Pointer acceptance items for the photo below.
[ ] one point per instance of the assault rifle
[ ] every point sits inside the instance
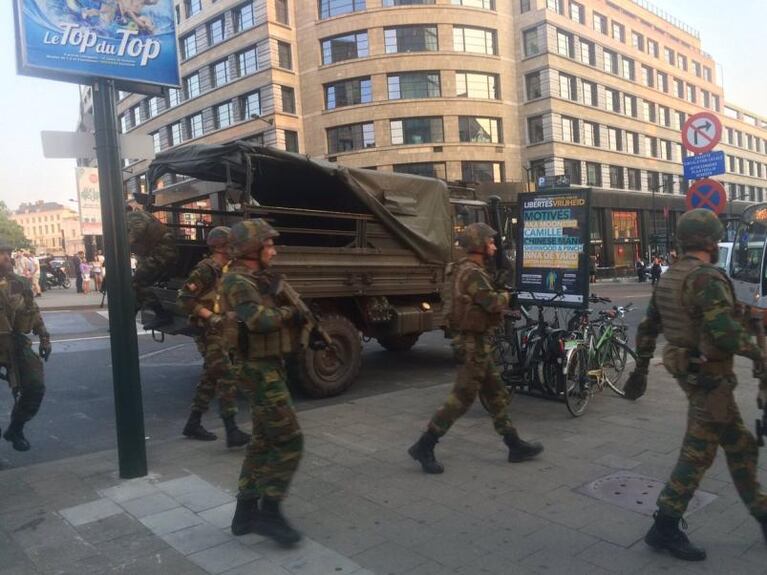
(757, 322)
(312, 336)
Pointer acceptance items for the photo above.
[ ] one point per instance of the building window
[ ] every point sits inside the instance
(348, 93)
(221, 73)
(533, 85)
(590, 95)
(288, 99)
(410, 39)
(250, 104)
(591, 134)
(614, 140)
(174, 97)
(482, 171)
(600, 23)
(588, 53)
(224, 114)
(244, 17)
(662, 82)
(474, 40)
(679, 88)
(416, 131)
(524, 6)
(611, 62)
(637, 41)
(285, 56)
(153, 107)
(573, 171)
(189, 46)
(192, 7)
(628, 69)
(123, 124)
(647, 76)
(347, 47)
(136, 115)
(707, 76)
(407, 85)
(681, 118)
(565, 44)
(195, 126)
(619, 32)
(668, 183)
(530, 41)
(630, 105)
(568, 87)
(652, 48)
(291, 141)
(570, 132)
(632, 143)
(577, 14)
(616, 177)
(682, 62)
(426, 169)
(556, 5)
(691, 93)
(697, 69)
(176, 134)
(330, 8)
(634, 179)
(535, 129)
(247, 62)
(216, 31)
(668, 55)
(612, 100)
(593, 174)
(281, 10)
(665, 116)
(192, 86)
(648, 111)
(476, 85)
(351, 137)
(480, 130)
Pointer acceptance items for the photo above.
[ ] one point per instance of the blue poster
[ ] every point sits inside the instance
(129, 40)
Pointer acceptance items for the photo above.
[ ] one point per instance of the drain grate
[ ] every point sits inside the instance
(636, 493)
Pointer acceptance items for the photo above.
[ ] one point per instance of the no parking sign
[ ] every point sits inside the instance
(708, 194)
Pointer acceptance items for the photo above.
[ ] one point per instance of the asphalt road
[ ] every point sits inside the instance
(77, 415)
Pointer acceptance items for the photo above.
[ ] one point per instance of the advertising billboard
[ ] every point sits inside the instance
(132, 41)
(552, 247)
(89, 200)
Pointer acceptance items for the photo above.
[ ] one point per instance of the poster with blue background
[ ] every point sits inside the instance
(79, 40)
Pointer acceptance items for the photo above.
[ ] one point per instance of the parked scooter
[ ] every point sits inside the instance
(55, 278)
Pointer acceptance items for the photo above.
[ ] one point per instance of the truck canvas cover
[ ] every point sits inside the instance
(414, 209)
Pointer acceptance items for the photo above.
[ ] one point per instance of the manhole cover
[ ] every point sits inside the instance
(636, 492)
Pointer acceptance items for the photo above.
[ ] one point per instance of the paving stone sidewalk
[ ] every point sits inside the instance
(365, 507)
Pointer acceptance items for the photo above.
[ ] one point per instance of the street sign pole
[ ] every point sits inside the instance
(129, 411)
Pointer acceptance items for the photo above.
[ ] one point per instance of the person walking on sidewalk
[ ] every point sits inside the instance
(20, 366)
(477, 309)
(694, 307)
(198, 299)
(77, 261)
(261, 327)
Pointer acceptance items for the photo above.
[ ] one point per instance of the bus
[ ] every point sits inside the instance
(747, 263)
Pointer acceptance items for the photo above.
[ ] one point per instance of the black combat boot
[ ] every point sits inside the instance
(272, 524)
(245, 516)
(665, 534)
(423, 452)
(519, 449)
(194, 429)
(15, 434)
(235, 437)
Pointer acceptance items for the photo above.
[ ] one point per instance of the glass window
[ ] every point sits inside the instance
(691, 93)
(174, 97)
(288, 99)
(611, 62)
(221, 73)
(524, 6)
(612, 100)
(346, 47)
(628, 69)
(216, 31)
(330, 8)
(662, 82)
(619, 32)
(577, 13)
(485, 4)
(482, 171)
(250, 104)
(195, 126)
(281, 8)
(291, 141)
(348, 93)
(573, 171)
(156, 142)
(530, 40)
(407, 85)
(192, 86)
(476, 85)
(616, 177)
(176, 134)
(153, 107)
(568, 87)
(600, 23)
(351, 137)
(652, 48)
(590, 95)
(682, 62)
(244, 17)
(707, 76)
(647, 76)
(570, 132)
(565, 46)
(533, 85)
(224, 114)
(697, 69)
(124, 124)
(416, 131)
(637, 41)
(285, 56)
(481, 130)
(591, 134)
(630, 105)
(535, 129)
(556, 5)
(247, 62)
(192, 7)
(410, 39)
(588, 53)
(189, 46)
(593, 174)
(136, 115)
(614, 140)
(474, 40)
(668, 55)
(426, 169)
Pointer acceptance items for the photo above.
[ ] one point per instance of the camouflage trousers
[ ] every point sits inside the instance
(29, 392)
(477, 374)
(217, 377)
(713, 419)
(275, 449)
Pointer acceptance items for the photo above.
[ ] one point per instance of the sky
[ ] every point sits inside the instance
(731, 32)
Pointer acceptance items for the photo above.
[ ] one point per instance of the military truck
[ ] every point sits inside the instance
(367, 250)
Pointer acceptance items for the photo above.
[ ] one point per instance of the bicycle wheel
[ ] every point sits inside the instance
(618, 356)
(578, 382)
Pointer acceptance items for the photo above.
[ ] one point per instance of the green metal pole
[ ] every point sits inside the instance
(129, 410)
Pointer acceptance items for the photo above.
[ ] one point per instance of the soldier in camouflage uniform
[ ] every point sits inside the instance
(198, 299)
(477, 309)
(264, 327)
(694, 307)
(19, 365)
(155, 248)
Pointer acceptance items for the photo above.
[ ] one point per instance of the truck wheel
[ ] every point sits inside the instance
(398, 342)
(329, 372)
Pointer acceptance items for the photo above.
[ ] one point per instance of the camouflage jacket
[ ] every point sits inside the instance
(477, 305)
(147, 234)
(19, 313)
(246, 294)
(706, 294)
(199, 290)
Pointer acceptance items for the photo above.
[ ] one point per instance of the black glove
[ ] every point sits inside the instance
(45, 347)
(637, 382)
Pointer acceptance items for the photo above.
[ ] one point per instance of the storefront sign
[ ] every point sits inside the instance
(89, 199)
(79, 40)
(551, 254)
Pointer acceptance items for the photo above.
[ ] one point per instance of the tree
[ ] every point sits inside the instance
(10, 230)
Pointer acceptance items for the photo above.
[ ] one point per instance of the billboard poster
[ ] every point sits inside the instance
(89, 200)
(132, 41)
(552, 247)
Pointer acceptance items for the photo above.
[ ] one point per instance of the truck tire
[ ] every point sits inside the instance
(327, 372)
(402, 342)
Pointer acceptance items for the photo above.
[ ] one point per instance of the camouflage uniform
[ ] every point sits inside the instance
(23, 368)
(155, 249)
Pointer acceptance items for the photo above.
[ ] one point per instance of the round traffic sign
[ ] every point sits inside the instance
(708, 194)
(701, 132)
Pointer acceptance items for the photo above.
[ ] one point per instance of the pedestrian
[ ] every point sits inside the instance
(198, 298)
(593, 269)
(655, 271)
(261, 330)
(77, 260)
(477, 309)
(85, 272)
(97, 271)
(693, 306)
(23, 368)
(35, 280)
